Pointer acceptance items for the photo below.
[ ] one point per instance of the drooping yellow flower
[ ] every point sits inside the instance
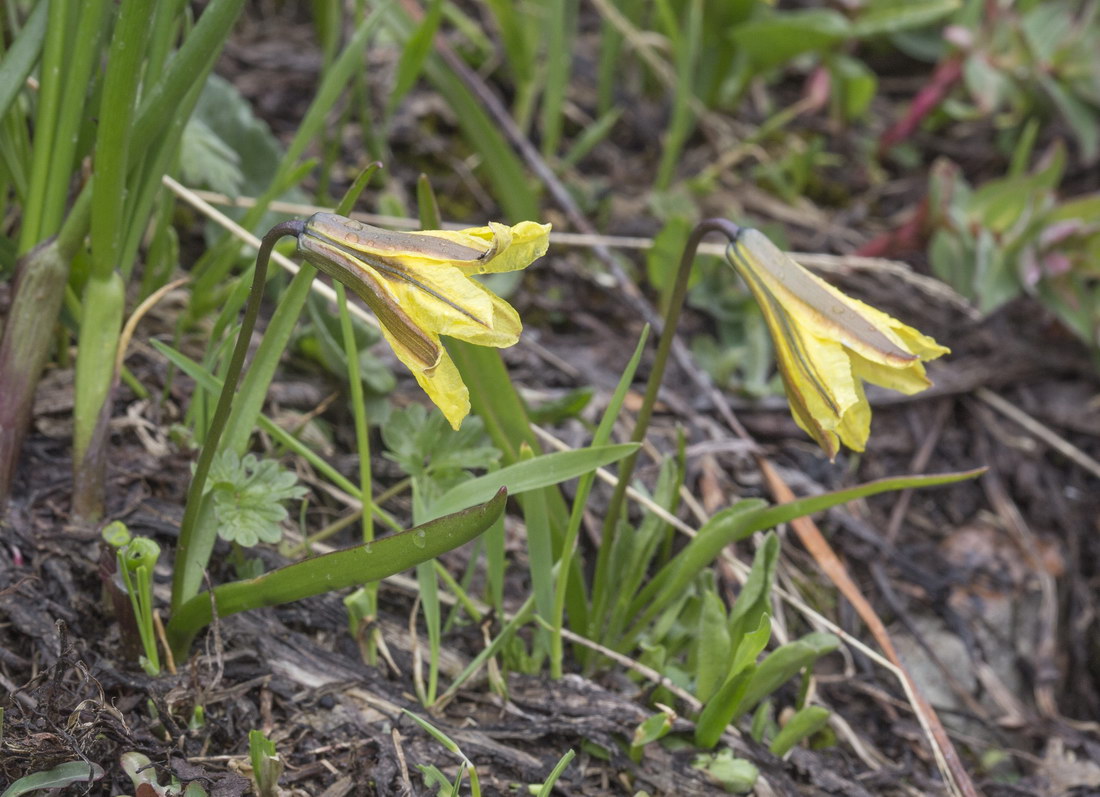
(827, 344)
(418, 286)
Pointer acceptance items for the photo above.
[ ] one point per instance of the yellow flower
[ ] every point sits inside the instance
(827, 344)
(418, 286)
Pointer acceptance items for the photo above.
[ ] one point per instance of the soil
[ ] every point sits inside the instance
(989, 587)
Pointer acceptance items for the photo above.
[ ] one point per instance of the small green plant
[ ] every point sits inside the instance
(248, 498)
(735, 775)
(128, 118)
(136, 561)
(433, 776)
(653, 728)
(267, 765)
(1015, 235)
(130, 585)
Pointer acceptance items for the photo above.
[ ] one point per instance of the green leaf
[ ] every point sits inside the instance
(894, 16)
(248, 495)
(755, 598)
(422, 443)
(547, 786)
(988, 85)
(21, 57)
(417, 48)
(855, 86)
(253, 387)
(652, 728)
(713, 647)
(782, 665)
(995, 281)
(542, 471)
(1045, 28)
(747, 517)
(226, 143)
(1083, 118)
(776, 39)
(751, 646)
(267, 766)
(736, 775)
(555, 411)
(351, 567)
(67, 774)
(663, 257)
(721, 708)
(805, 723)
(207, 161)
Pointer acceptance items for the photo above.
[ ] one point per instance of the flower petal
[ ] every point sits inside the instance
(363, 238)
(441, 382)
(908, 380)
(827, 344)
(418, 343)
(855, 424)
(818, 305)
(506, 248)
(418, 285)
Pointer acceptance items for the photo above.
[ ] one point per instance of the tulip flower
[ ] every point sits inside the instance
(828, 344)
(419, 286)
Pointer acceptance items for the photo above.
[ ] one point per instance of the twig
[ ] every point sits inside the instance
(1043, 432)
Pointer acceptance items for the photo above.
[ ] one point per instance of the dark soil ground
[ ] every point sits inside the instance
(989, 586)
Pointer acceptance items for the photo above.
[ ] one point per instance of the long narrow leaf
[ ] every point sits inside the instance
(337, 570)
(751, 516)
(542, 471)
(19, 60)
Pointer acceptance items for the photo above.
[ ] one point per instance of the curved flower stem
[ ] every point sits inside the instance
(192, 553)
(656, 375)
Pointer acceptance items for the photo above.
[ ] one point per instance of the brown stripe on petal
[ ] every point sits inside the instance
(787, 331)
(795, 279)
(393, 269)
(351, 271)
(365, 238)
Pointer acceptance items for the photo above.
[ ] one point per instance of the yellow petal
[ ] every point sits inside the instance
(907, 380)
(806, 421)
(817, 304)
(827, 344)
(506, 248)
(356, 236)
(816, 367)
(440, 296)
(417, 342)
(855, 424)
(419, 286)
(441, 382)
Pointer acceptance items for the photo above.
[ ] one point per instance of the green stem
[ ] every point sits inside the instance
(45, 124)
(188, 568)
(115, 134)
(39, 286)
(362, 445)
(93, 19)
(660, 361)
